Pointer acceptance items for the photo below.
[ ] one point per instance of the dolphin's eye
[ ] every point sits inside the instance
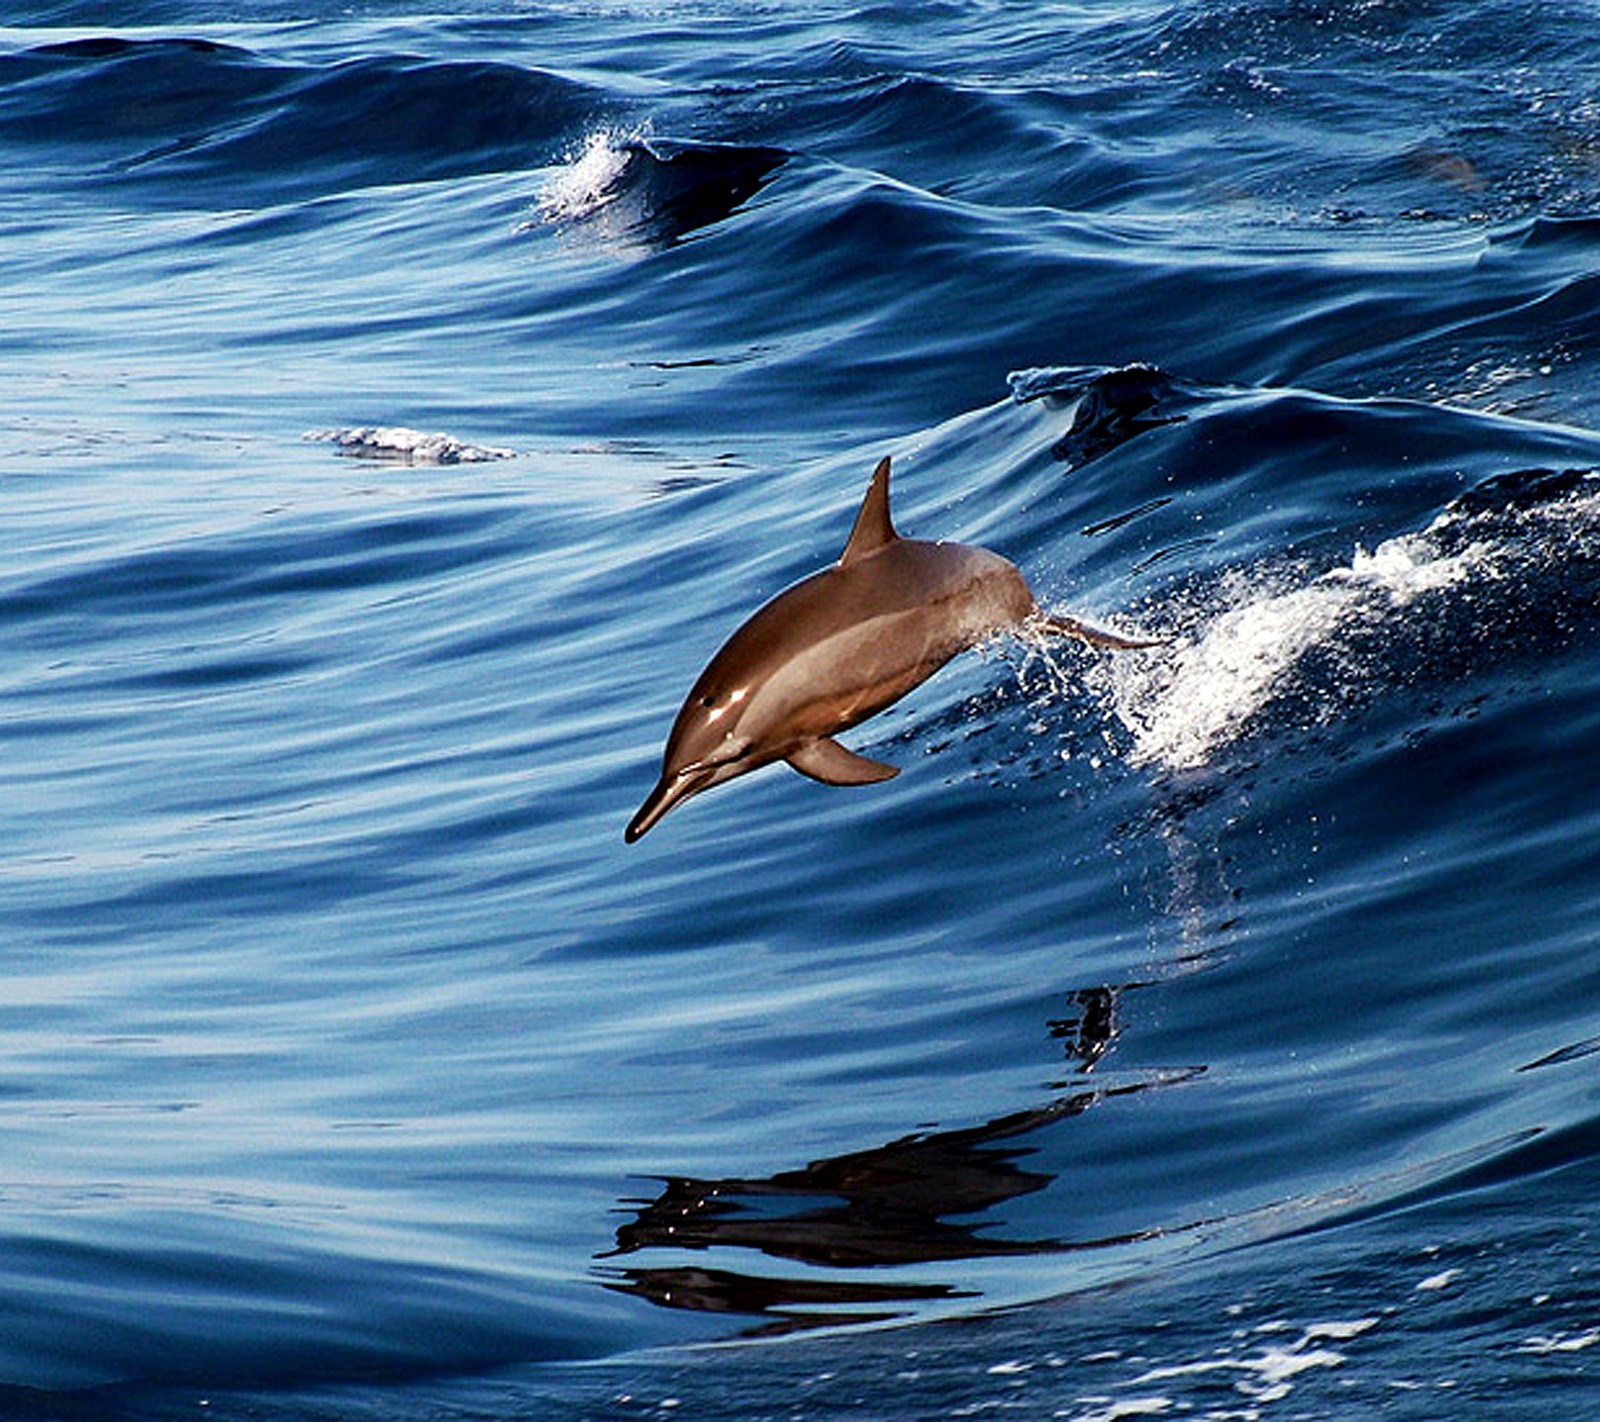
(719, 703)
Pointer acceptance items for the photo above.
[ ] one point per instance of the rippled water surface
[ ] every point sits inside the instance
(397, 410)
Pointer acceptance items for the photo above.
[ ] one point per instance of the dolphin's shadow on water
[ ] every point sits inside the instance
(919, 1199)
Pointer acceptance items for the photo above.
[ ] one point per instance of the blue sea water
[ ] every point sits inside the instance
(398, 406)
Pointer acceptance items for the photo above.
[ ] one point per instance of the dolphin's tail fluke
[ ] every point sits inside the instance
(1058, 625)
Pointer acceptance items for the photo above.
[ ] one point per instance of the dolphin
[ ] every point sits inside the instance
(838, 647)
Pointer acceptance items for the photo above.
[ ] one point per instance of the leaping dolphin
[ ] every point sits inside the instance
(838, 647)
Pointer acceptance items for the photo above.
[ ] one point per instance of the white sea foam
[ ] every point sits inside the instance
(400, 445)
(589, 181)
(1181, 708)
(1239, 652)
(1268, 1375)
(1561, 1342)
(1118, 1411)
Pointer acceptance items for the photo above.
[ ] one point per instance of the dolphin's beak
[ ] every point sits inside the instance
(670, 789)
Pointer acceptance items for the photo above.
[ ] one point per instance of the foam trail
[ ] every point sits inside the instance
(399, 445)
(1243, 650)
(1180, 712)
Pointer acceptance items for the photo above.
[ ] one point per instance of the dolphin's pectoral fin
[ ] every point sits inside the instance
(1056, 625)
(828, 761)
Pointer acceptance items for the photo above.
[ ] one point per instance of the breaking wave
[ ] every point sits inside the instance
(1480, 576)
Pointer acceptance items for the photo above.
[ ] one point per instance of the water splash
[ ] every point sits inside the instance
(591, 179)
(398, 445)
(1242, 649)
(636, 191)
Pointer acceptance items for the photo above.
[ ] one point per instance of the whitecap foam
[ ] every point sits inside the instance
(1109, 1410)
(1269, 1374)
(589, 180)
(400, 445)
(1180, 708)
(1240, 648)
(1546, 1343)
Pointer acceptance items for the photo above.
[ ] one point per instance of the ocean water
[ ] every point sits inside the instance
(400, 404)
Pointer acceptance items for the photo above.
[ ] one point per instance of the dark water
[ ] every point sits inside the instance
(1208, 1031)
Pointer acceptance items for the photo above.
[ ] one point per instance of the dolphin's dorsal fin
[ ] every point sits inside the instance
(874, 529)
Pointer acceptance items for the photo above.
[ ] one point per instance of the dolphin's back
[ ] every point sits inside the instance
(952, 592)
(844, 643)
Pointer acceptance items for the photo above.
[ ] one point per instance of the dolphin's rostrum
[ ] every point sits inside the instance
(838, 647)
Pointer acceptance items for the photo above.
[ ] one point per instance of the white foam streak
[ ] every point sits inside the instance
(1268, 1375)
(399, 445)
(1244, 647)
(589, 181)
(1561, 1342)
(1181, 711)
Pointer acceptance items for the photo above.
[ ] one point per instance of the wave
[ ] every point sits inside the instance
(627, 189)
(1288, 601)
(221, 115)
(320, 766)
(1276, 644)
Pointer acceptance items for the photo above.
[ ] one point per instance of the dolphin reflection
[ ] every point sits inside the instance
(919, 1199)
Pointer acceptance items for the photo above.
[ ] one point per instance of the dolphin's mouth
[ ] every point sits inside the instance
(669, 790)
